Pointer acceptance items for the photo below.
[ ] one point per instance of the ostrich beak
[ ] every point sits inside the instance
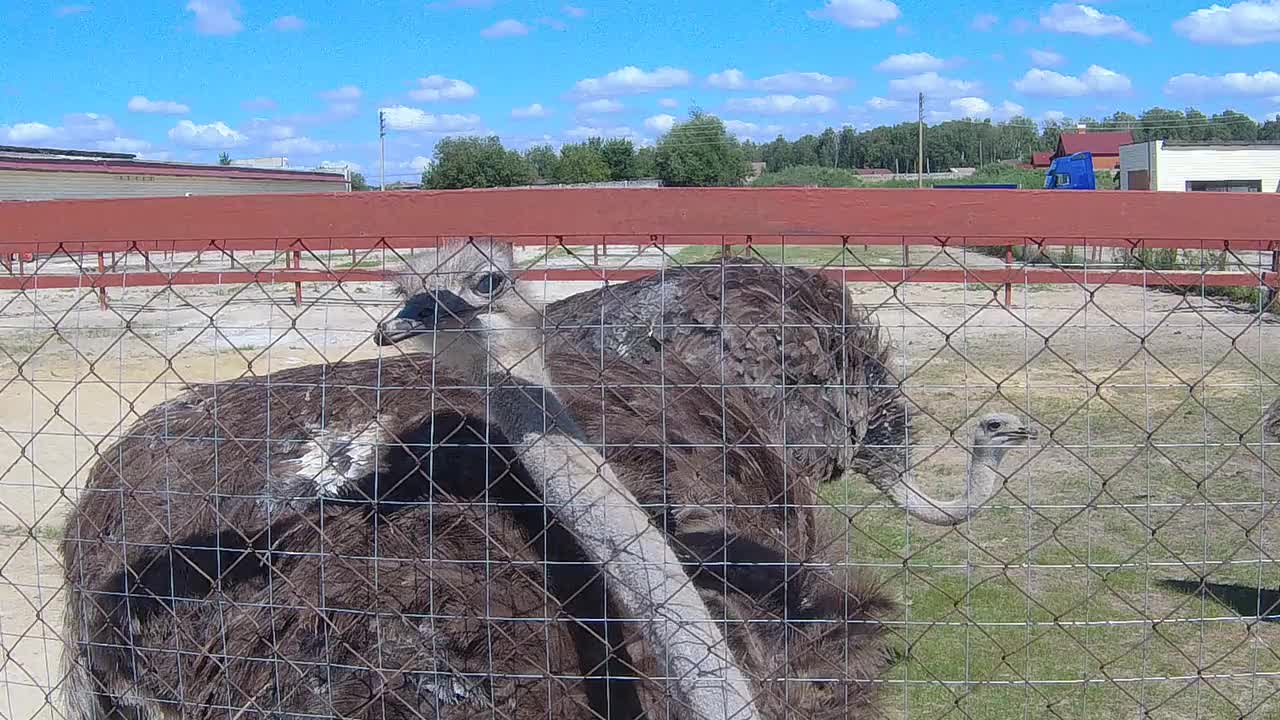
(1019, 433)
(422, 314)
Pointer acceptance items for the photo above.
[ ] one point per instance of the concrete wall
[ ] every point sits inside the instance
(38, 185)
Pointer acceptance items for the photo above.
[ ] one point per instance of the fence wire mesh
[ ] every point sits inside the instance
(256, 498)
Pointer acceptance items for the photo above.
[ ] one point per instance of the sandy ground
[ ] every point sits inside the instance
(73, 375)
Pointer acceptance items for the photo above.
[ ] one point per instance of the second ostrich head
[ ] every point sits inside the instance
(463, 304)
(993, 437)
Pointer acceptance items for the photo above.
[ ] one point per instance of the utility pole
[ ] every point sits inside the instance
(382, 151)
(920, 146)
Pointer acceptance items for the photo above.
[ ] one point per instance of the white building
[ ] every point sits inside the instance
(51, 174)
(1230, 166)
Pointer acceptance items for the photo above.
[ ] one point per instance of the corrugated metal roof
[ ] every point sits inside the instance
(126, 166)
(1098, 143)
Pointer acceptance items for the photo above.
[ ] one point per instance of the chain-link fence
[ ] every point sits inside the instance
(296, 475)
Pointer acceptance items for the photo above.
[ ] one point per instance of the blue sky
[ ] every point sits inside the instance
(187, 79)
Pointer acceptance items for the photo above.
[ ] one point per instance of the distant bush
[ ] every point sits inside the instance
(809, 176)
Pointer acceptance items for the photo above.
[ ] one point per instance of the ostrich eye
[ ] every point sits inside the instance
(488, 284)
(993, 425)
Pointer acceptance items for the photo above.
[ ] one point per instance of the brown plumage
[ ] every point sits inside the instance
(313, 578)
(816, 363)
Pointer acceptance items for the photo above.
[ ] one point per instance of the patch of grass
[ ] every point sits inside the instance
(1057, 611)
(798, 255)
(809, 176)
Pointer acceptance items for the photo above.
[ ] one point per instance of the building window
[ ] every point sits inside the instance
(1224, 185)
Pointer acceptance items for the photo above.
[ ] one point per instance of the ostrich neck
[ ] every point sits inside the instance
(646, 575)
(980, 481)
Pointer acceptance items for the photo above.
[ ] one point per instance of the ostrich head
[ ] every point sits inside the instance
(463, 305)
(994, 436)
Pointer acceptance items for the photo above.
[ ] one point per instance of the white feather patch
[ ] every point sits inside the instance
(335, 457)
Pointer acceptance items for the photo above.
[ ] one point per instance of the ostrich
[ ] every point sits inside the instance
(262, 545)
(1244, 600)
(823, 375)
(498, 345)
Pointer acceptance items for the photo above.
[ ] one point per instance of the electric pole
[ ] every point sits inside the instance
(920, 145)
(382, 151)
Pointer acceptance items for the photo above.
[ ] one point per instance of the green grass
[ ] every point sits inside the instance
(809, 176)
(1061, 597)
(801, 255)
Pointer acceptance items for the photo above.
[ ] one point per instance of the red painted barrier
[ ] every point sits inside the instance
(320, 223)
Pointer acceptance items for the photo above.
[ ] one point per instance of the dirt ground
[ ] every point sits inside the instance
(72, 376)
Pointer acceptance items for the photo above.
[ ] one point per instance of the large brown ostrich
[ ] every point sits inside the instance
(496, 343)
(266, 547)
(793, 338)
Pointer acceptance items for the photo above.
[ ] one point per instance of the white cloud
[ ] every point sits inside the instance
(141, 104)
(433, 88)
(76, 128)
(88, 126)
(983, 22)
(742, 129)
(400, 117)
(602, 105)
(505, 28)
(582, 132)
(881, 104)
(574, 11)
(1054, 115)
(301, 146)
(731, 79)
(1095, 81)
(1237, 84)
(288, 23)
(975, 108)
(1088, 20)
(783, 104)
(631, 80)
(660, 123)
(788, 82)
(216, 17)
(530, 111)
(65, 10)
(1045, 58)
(261, 128)
(910, 63)
(215, 135)
(668, 103)
(858, 14)
(27, 133)
(1244, 23)
(419, 163)
(932, 85)
(346, 93)
(124, 145)
(810, 82)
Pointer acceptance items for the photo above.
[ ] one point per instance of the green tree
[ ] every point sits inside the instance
(646, 163)
(620, 155)
(473, 162)
(1270, 131)
(581, 163)
(224, 159)
(358, 182)
(542, 159)
(700, 152)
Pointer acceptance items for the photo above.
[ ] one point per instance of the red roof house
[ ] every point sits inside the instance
(1105, 146)
(1041, 159)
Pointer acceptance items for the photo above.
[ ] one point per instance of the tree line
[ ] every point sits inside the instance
(701, 151)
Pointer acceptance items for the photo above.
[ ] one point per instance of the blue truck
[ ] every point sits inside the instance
(1071, 172)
